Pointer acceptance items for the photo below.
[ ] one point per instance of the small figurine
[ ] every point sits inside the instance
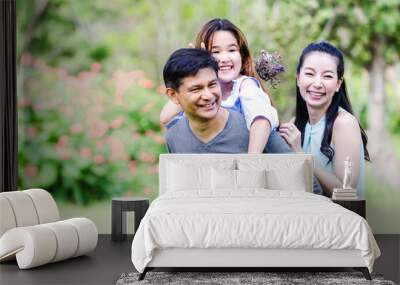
(347, 174)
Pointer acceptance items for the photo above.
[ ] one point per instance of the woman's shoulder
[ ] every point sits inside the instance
(345, 123)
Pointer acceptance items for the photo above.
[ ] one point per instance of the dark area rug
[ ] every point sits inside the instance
(273, 278)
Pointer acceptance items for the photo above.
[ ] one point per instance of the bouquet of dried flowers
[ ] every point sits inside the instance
(268, 66)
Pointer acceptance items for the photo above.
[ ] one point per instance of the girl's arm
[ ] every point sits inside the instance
(258, 135)
(347, 140)
(260, 116)
(169, 111)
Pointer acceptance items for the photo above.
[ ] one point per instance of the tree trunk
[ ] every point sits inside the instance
(377, 96)
(385, 165)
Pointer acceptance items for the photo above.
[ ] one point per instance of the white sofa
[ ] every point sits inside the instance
(31, 231)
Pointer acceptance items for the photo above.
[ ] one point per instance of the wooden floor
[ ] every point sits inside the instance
(111, 259)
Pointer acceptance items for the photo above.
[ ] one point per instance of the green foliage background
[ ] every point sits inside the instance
(90, 88)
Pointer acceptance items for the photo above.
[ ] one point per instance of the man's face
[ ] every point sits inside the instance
(199, 95)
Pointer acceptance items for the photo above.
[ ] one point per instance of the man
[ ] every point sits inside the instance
(190, 76)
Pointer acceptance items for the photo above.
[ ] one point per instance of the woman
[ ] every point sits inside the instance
(325, 125)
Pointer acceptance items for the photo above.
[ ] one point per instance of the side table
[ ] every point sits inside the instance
(119, 207)
(357, 206)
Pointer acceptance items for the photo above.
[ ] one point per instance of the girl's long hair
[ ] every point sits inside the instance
(340, 99)
(206, 36)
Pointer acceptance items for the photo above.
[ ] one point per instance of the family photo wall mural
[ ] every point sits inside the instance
(90, 89)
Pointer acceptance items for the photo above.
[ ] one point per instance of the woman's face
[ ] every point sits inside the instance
(225, 49)
(318, 79)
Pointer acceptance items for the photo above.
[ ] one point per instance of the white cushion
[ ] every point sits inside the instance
(67, 239)
(223, 179)
(46, 207)
(87, 233)
(183, 178)
(23, 208)
(186, 175)
(40, 244)
(282, 174)
(278, 180)
(33, 246)
(7, 220)
(231, 180)
(251, 178)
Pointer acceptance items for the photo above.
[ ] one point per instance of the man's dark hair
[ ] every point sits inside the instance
(186, 62)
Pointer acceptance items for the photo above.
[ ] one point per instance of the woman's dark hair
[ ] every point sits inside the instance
(340, 99)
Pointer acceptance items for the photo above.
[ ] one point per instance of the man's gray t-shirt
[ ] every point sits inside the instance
(234, 138)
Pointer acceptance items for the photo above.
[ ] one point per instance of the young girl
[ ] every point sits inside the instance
(325, 125)
(241, 91)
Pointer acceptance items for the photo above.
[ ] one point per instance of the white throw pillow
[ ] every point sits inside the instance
(282, 174)
(279, 180)
(251, 178)
(184, 174)
(226, 179)
(183, 177)
(223, 179)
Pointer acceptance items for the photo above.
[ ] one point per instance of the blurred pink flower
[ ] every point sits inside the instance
(46, 104)
(85, 75)
(117, 123)
(135, 135)
(76, 128)
(27, 59)
(150, 105)
(122, 81)
(31, 170)
(153, 169)
(117, 149)
(99, 159)
(40, 64)
(128, 193)
(24, 103)
(61, 72)
(61, 148)
(147, 191)
(95, 67)
(32, 131)
(85, 152)
(158, 138)
(63, 152)
(147, 157)
(132, 165)
(62, 141)
(67, 111)
(136, 74)
(146, 83)
(98, 129)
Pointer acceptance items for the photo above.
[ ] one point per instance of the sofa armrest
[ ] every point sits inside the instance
(40, 244)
